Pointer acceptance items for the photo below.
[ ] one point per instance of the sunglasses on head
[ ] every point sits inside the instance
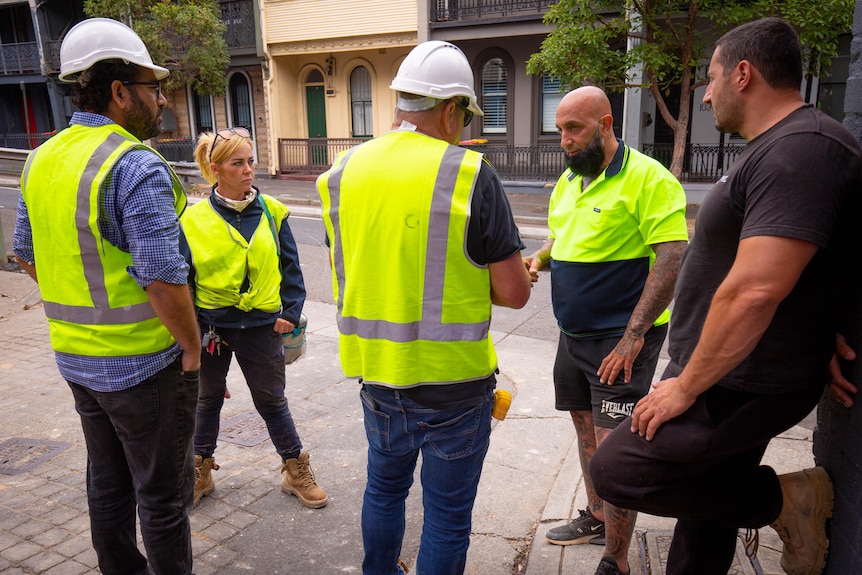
(227, 134)
(468, 115)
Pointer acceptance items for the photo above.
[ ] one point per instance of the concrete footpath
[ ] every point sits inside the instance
(532, 480)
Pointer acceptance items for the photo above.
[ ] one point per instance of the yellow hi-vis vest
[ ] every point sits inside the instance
(411, 307)
(222, 258)
(94, 307)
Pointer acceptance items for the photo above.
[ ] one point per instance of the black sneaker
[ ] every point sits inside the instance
(579, 530)
(607, 566)
(598, 540)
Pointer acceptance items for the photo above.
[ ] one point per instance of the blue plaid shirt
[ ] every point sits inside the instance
(136, 214)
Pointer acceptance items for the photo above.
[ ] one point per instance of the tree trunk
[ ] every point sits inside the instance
(680, 135)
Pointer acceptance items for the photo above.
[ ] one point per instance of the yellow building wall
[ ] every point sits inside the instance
(304, 20)
(289, 81)
(301, 35)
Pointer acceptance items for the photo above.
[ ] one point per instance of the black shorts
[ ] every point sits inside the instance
(577, 387)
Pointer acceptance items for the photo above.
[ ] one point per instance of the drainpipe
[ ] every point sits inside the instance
(267, 90)
(26, 112)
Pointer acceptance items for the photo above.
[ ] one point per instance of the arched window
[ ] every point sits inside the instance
(494, 96)
(551, 96)
(241, 113)
(360, 102)
(314, 77)
(202, 112)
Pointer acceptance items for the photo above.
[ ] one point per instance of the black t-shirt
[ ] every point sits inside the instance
(493, 236)
(800, 179)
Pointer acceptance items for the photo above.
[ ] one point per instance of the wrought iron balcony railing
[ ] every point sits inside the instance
(238, 16)
(52, 56)
(453, 10)
(22, 58)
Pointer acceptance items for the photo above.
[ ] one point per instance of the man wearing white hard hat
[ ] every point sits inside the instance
(422, 242)
(97, 226)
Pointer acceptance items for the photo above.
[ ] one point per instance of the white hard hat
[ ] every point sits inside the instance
(437, 69)
(97, 39)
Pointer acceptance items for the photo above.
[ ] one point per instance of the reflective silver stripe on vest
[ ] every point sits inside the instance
(101, 313)
(26, 171)
(431, 327)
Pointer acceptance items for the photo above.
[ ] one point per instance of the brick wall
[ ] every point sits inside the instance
(178, 104)
(838, 437)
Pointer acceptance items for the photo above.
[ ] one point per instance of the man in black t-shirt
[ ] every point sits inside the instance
(755, 320)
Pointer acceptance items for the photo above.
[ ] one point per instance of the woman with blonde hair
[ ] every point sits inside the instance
(249, 291)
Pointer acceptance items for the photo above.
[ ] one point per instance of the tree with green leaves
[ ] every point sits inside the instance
(661, 44)
(185, 36)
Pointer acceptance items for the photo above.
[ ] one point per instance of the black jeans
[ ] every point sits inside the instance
(260, 354)
(139, 455)
(703, 468)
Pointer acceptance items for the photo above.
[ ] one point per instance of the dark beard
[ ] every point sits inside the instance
(140, 122)
(589, 162)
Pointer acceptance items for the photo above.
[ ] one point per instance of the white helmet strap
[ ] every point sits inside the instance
(417, 104)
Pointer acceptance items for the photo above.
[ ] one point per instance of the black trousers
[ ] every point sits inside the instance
(703, 468)
(139, 457)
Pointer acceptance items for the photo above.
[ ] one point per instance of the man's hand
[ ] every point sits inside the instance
(538, 260)
(667, 400)
(840, 387)
(621, 358)
(533, 265)
(191, 360)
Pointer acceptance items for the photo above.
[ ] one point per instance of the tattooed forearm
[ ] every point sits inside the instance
(658, 290)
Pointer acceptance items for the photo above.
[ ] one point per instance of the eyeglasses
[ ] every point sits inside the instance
(154, 83)
(468, 115)
(227, 134)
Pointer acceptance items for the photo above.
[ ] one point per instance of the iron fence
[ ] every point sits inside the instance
(172, 150)
(524, 163)
(311, 155)
(23, 141)
(177, 150)
(514, 163)
(701, 163)
(315, 156)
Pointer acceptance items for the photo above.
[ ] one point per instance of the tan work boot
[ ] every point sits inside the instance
(204, 484)
(299, 480)
(808, 500)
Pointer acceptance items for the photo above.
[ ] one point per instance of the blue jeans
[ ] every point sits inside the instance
(453, 445)
(260, 354)
(139, 454)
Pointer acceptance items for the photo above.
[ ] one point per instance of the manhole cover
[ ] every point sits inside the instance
(246, 429)
(654, 545)
(19, 454)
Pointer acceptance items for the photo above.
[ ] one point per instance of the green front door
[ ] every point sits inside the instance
(316, 109)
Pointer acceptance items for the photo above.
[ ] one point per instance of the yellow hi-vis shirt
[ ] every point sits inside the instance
(603, 235)
(412, 308)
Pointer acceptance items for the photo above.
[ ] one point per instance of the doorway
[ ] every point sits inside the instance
(315, 104)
